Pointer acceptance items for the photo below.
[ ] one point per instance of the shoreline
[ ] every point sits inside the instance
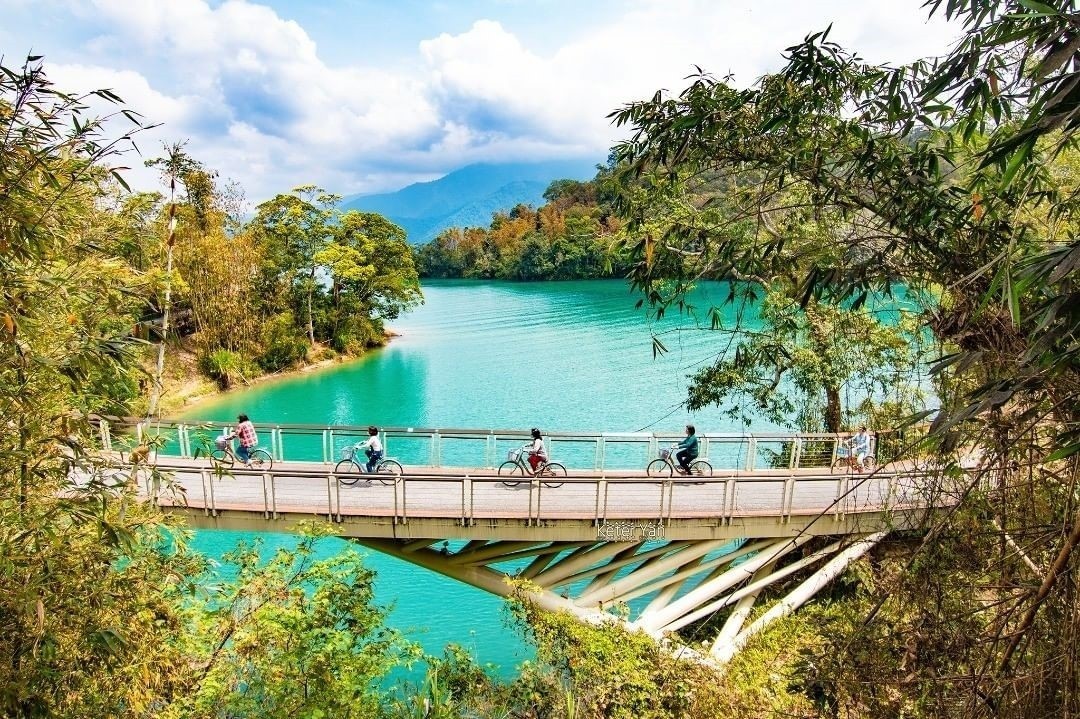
(204, 389)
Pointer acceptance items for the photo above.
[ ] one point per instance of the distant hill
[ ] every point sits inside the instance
(468, 197)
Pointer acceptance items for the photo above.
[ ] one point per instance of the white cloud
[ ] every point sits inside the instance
(248, 87)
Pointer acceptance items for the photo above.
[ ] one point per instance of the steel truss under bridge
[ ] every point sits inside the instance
(671, 584)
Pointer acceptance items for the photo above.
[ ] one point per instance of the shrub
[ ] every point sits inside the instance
(283, 345)
(226, 367)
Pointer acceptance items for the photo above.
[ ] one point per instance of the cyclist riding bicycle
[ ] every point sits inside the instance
(245, 431)
(860, 447)
(688, 450)
(537, 451)
(372, 448)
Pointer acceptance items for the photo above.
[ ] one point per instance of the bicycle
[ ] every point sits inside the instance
(349, 470)
(516, 464)
(846, 459)
(664, 466)
(222, 455)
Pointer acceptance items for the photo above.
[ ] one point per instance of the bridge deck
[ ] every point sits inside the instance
(473, 502)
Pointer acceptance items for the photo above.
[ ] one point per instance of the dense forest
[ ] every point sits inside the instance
(297, 282)
(298, 279)
(572, 236)
(827, 183)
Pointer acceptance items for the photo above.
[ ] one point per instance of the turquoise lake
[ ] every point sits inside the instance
(563, 356)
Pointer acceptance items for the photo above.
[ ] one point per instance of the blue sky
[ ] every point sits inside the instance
(370, 95)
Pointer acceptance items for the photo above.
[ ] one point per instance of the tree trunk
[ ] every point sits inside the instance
(832, 408)
(159, 367)
(310, 313)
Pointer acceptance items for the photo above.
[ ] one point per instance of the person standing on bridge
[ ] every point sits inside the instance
(537, 451)
(372, 448)
(688, 450)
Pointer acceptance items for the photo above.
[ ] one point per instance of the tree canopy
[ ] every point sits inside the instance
(951, 178)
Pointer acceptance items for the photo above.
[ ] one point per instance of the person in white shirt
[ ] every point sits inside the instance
(372, 448)
(537, 451)
(860, 447)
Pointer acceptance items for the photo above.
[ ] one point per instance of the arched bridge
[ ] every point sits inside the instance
(674, 550)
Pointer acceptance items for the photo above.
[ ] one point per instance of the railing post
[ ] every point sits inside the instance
(273, 492)
(841, 495)
(395, 520)
(266, 500)
(796, 444)
(203, 477)
(436, 449)
(466, 490)
(337, 499)
(601, 488)
(213, 502)
(327, 445)
(751, 453)
(330, 481)
(664, 521)
(598, 460)
(663, 490)
(280, 441)
(399, 482)
(534, 487)
(729, 500)
(785, 502)
(103, 434)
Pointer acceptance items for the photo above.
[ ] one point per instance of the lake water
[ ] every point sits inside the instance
(563, 356)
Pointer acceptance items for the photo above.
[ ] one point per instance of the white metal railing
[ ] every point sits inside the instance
(597, 498)
(425, 447)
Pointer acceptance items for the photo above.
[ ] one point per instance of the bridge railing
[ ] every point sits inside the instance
(470, 499)
(449, 447)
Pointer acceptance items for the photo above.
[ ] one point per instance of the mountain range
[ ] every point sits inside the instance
(467, 197)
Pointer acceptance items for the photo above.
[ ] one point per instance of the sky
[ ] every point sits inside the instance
(361, 96)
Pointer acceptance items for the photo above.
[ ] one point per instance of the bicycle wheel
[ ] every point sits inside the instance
(347, 472)
(838, 464)
(659, 468)
(261, 459)
(221, 458)
(869, 462)
(388, 470)
(552, 469)
(701, 468)
(509, 468)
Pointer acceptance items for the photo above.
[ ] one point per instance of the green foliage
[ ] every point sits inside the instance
(952, 178)
(615, 673)
(366, 258)
(293, 637)
(85, 614)
(570, 237)
(227, 368)
(805, 362)
(283, 344)
(103, 610)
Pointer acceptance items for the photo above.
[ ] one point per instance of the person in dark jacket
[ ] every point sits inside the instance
(688, 450)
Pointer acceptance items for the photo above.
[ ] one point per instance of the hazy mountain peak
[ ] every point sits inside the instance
(468, 196)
